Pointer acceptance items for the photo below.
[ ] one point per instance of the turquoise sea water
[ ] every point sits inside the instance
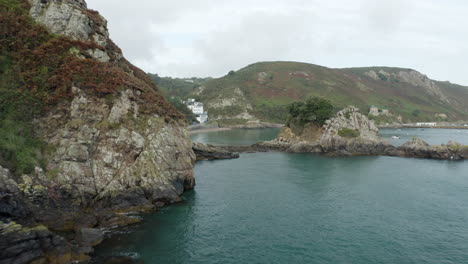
(302, 208)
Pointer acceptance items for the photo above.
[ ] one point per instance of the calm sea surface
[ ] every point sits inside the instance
(236, 137)
(433, 136)
(302, 208)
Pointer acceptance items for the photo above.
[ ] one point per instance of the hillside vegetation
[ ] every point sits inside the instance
(263, 91)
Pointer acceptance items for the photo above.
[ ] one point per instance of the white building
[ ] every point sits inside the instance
(202, 118)
(197, 109)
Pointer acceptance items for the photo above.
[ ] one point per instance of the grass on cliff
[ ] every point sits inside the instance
(20, 151)
(348, 133)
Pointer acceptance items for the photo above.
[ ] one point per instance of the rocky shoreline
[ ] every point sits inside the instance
(350, 133)
(415, 148)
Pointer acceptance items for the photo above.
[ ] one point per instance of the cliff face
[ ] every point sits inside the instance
(112, 143)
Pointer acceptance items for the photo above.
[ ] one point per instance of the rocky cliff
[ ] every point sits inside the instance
(110, 143)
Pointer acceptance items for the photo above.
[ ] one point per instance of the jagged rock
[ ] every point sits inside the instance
(210, 152)
(21, 245)
(90, 236)
(350, 118)
(421, 149)
(11, 206)
(72, 18)
(106, 147)
(7, 184)
(305, 147)
(417, 79)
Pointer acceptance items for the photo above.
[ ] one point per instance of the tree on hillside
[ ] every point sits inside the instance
(313, 110)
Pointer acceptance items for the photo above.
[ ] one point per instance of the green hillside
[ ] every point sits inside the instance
(262, 91)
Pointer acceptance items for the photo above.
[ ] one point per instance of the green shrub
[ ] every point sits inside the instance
(19, 149)
(314, 110)
(348, 133)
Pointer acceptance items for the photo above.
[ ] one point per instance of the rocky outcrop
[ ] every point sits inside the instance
(210, 152)
(11, 206)
(22, 245)
(417, 79)
(104, 147)
(347, 133)
(351, 133)
(72, 18)
(420, 149)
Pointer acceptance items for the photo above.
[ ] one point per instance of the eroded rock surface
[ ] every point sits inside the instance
(72, 19)
(209, 152)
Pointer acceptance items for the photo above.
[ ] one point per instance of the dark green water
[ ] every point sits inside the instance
(236, 136)
(300, 208)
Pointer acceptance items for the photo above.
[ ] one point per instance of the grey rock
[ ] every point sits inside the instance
(90, 236)
(72, 18)
(21, 245)
(210, 152)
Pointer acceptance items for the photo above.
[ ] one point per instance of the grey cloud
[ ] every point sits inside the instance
(208, 38)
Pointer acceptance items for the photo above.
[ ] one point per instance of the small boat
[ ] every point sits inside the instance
(395, 137)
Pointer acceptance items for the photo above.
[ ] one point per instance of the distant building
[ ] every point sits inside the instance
(426, 124)
(374, 111)
(197, 109)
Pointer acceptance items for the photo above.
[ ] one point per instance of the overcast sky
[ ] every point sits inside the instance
(186, 38)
